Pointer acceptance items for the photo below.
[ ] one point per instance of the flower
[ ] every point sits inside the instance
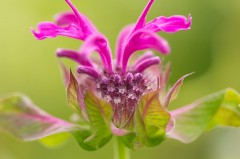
(113, 97)
(113, 80)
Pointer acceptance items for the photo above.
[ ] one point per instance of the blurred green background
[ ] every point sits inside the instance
(211, 49)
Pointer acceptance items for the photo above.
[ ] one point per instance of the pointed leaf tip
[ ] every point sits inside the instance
(173, 92)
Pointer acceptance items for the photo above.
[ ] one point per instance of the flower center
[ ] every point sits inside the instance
(123, 93)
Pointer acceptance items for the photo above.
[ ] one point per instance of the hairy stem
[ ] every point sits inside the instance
(120, 150)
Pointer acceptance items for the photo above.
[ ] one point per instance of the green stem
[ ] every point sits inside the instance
(120, 150)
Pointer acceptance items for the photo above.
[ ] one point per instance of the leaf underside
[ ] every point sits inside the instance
(219, 109)
(20, 118)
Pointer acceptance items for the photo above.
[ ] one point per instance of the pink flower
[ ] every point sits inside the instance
(111, 97)
(113, 80)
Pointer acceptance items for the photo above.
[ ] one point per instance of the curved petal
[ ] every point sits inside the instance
(128, 31)
(146, 55)
(142, 19)
(82, 21)
(146, 63)
(51, 30)
(122, 38)
(75, 56)
(99, 43)
(89, 71)
(70, 24)
(65, 18)
(169, 24)
(143, 39)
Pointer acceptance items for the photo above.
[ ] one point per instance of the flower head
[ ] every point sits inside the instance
(113, 97)
(113, 80)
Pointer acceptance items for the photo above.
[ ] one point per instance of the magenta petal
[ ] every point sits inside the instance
(143, 39)
(98, 43)
(65, 18)
(142, 19)
(73, 25)
(51, 30)
(146, 55)
(85, 25)
(71, 54)
(169, 24)
(122, 38)
(146, 63)
(89, 71)
(75, 56)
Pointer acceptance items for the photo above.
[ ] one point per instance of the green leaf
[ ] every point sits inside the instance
(55, 141)
(220, 109)
(95, 113)
(99, 114)
(151, 120)
(23, 120)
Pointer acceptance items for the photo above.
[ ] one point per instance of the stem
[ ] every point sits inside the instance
(120, 151)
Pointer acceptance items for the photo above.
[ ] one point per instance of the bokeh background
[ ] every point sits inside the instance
(211, 49)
